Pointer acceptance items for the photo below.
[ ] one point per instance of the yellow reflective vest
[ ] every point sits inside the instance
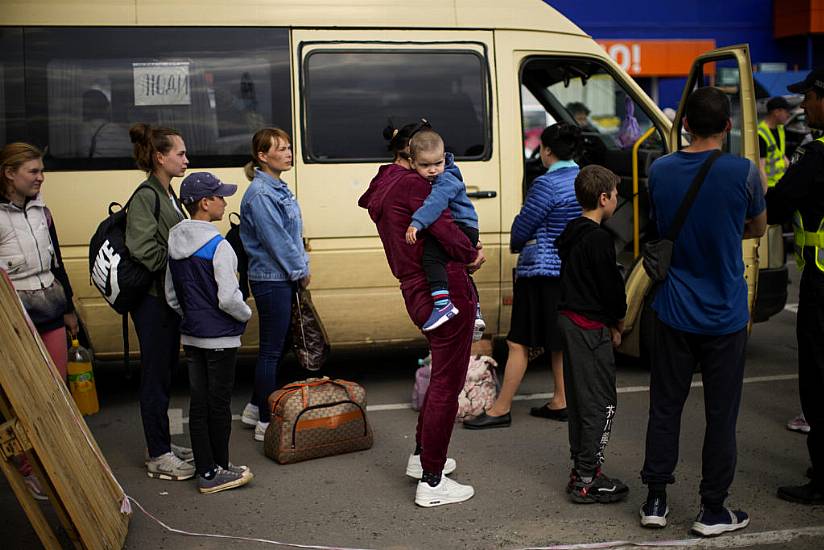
(774, 162)
(808, 238)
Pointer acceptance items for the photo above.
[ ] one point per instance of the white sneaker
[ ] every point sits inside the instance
(250, 416)
(35, 488)
(260, 430)
(169, 467)
(415, 470)
(448, 491)
(183, 453)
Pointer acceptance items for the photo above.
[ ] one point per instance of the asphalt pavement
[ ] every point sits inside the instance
(364, 500)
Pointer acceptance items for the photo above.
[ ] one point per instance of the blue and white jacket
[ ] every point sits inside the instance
(202, 287)
(271, 229)
(448, 191)
(550, 204)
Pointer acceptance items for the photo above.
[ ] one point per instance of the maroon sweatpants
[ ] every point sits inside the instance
(450, 345)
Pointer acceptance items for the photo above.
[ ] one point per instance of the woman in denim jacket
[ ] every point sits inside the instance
(549, 205)
(271, 230)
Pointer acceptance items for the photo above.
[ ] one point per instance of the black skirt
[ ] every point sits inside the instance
(534, 320)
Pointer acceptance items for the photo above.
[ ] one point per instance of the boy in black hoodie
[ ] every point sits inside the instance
(591, 312)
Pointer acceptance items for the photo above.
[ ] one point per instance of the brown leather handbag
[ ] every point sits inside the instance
(317, 417)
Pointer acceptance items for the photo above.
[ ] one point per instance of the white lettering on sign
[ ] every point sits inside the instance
(628, 56)
(161, 83)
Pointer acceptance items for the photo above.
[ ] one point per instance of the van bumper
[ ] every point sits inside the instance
(772, 293)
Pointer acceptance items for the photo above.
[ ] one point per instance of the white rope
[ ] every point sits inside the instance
(231, 537)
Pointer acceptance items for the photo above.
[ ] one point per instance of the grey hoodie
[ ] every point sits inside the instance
(185, 239)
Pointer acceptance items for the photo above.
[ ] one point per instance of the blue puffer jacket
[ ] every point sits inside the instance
(550, 204)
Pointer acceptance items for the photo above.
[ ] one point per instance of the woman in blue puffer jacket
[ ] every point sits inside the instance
(550, 204)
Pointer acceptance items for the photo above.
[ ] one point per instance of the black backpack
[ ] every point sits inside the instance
(122, 281)
(233, 238)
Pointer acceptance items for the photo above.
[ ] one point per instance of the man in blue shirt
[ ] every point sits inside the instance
(701, 310)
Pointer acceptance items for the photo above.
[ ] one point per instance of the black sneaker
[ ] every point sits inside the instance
(601, 489)
(573, 477)
(802, 494)
(709, 524)
(654, 512)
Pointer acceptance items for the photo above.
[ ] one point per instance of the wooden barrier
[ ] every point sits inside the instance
(40, 420)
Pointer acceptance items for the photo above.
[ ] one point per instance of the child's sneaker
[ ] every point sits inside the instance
(601, 489)
(654, 512)
(260, 430)
(250, 416)
(480, 324)
(439, 316)
(799, 424)
(448, 491)
(222, 480)
(415, 470)
(169, 466)
(709, 524)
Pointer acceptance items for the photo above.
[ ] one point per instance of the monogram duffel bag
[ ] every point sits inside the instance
(317, 417)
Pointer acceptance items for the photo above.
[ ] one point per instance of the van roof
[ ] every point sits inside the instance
(464, 14)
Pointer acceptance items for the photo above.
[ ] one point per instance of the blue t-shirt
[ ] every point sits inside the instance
(705, 291)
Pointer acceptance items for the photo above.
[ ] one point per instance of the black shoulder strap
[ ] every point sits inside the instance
(686, 204)
(157, 199)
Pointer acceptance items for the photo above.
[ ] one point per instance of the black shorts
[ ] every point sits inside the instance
(535, 313)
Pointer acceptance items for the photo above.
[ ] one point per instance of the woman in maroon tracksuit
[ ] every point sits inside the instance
(393, 196)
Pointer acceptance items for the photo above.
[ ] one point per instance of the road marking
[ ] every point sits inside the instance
(792, 308)
(727, 541)
(176, 418)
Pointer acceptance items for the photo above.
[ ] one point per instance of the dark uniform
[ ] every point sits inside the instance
(799, 197)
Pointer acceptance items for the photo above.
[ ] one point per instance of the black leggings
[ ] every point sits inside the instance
(435, 258)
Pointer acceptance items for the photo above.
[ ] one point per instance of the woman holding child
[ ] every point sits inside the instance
(394, 195)
(549, 205)
(271, 229)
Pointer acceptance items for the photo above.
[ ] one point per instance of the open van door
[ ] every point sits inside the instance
(730, 70)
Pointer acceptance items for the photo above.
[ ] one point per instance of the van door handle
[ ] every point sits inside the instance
(482, 194)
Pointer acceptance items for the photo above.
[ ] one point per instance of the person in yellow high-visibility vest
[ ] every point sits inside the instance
(798, 197)
(772, 145)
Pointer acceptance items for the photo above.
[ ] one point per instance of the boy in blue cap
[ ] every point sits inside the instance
(202, 287)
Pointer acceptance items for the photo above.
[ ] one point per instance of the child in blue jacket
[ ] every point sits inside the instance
(428, 159)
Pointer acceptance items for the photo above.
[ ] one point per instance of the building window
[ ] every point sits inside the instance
(216, 86)
(351, 95)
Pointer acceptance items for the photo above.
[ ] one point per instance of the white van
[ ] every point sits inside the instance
(74, 75)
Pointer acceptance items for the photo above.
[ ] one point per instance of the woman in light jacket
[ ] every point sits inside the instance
(549, 205)
(271, 230)
(30, 252)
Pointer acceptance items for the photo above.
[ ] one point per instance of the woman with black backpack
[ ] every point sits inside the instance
(153, 210)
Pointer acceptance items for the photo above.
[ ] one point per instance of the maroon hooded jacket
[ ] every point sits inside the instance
(393, 196)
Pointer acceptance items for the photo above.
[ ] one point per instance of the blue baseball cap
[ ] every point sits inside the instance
(200, 185)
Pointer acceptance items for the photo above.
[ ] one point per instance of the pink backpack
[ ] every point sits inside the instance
(478, 393)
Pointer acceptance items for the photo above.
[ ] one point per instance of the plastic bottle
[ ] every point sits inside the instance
(81, 379)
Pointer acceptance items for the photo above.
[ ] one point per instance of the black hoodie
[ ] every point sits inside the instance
(591, 284)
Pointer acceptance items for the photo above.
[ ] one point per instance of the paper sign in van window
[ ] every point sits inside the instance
(164, 83)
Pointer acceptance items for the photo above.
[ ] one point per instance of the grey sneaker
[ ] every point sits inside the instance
(183, 453)
(223, 480)
(250, 416)
(242, 470)
(169, 467)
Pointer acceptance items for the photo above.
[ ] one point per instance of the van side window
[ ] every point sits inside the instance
(217, 86)
(584, 92)
(12, 114)
(350, 95)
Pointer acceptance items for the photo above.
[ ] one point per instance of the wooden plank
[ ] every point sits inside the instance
(65, 448)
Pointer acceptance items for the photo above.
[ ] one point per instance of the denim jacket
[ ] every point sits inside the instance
(271, 230)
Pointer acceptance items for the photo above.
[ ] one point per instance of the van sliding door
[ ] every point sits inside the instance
(349, 86)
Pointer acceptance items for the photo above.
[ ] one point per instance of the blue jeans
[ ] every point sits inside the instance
(273, 300)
